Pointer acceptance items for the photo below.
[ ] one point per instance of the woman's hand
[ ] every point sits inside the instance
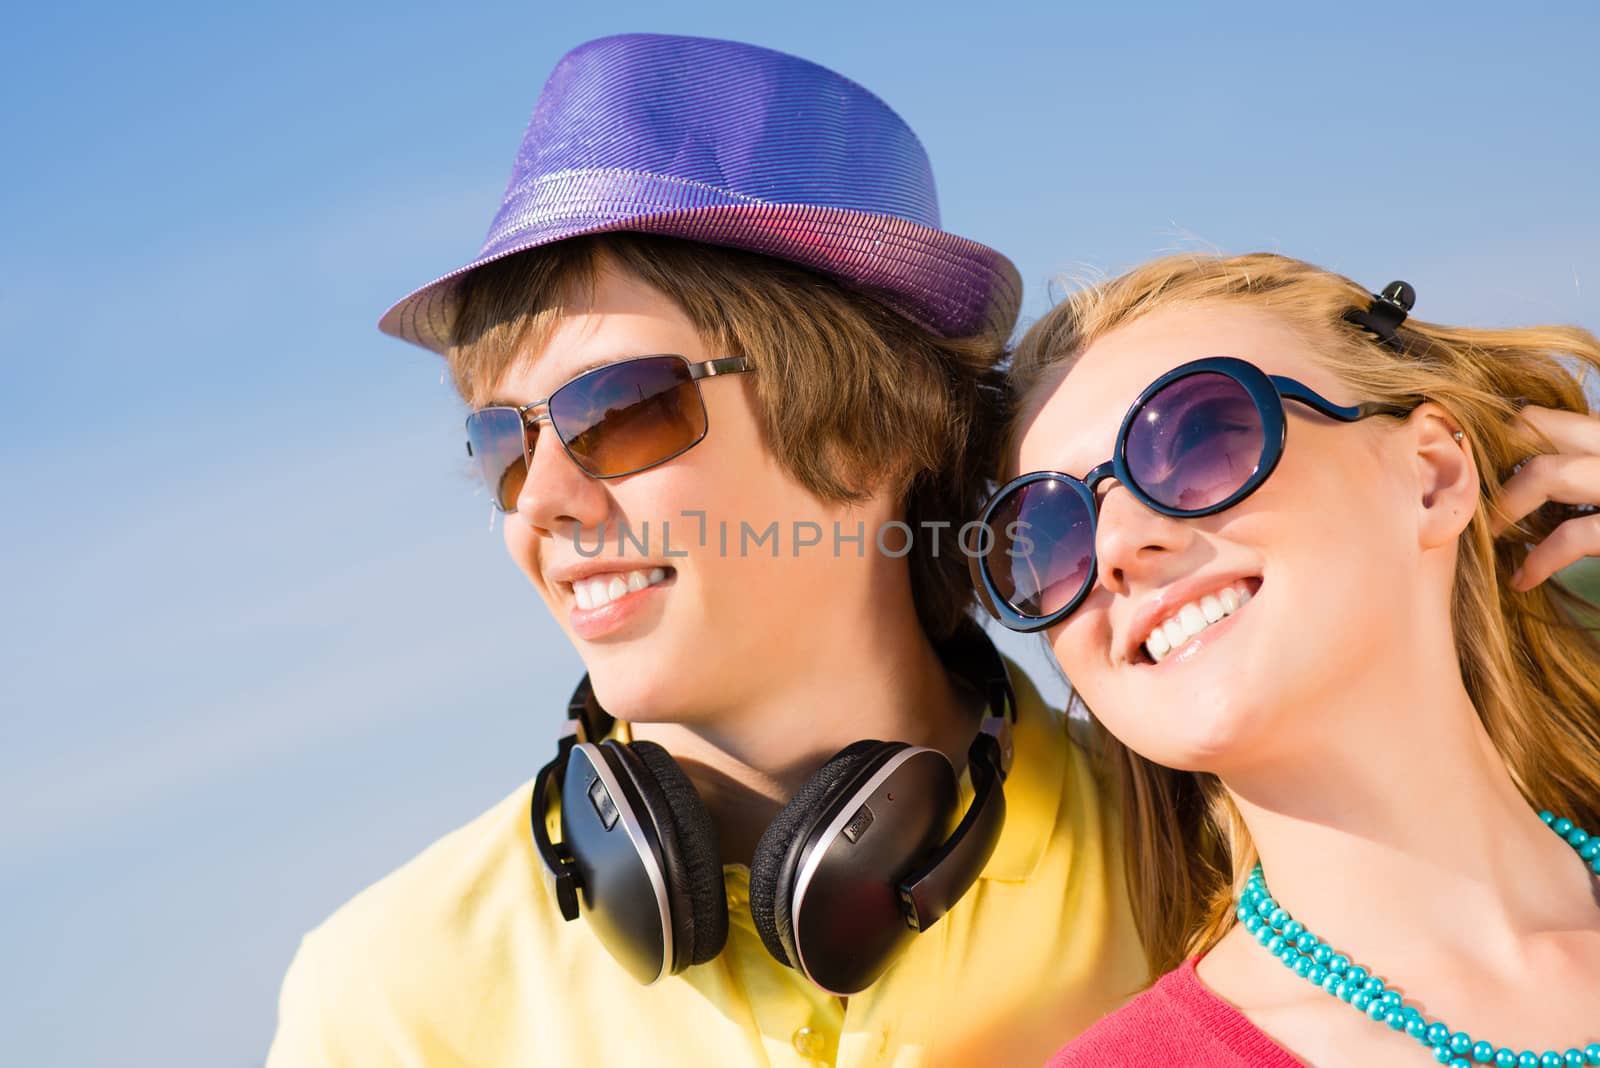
(1570, 475)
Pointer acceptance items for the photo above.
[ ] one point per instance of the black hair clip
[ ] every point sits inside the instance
(1387, 311)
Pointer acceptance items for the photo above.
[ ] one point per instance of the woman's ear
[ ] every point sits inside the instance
(1447, 476)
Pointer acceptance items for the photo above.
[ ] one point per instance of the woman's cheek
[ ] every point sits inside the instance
(1082, 646)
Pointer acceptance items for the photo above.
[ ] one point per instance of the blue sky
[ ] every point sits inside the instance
(253, 623)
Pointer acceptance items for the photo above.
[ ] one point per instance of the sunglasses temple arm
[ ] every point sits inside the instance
(728, 365)
(1289, 389)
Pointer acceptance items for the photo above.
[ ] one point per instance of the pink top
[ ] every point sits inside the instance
(1176, 1021)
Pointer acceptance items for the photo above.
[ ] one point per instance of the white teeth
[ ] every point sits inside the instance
(597, 592)
(1193, 618)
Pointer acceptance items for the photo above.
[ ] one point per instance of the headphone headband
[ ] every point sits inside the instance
(928, 892)
(559, 868)
(585, 716)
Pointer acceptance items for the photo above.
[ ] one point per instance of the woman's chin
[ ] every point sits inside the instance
(1204, 730)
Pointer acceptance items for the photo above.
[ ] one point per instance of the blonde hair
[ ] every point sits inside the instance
(853, 398)
(1531, 665)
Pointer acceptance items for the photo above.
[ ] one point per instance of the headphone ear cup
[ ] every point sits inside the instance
(693, 860)
(777, 855)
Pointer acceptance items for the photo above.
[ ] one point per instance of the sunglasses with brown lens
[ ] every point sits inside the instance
(615, 420)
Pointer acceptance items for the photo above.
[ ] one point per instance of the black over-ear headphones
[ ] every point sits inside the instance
(841, 880)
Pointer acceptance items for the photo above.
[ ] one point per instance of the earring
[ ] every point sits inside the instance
(1459, 436)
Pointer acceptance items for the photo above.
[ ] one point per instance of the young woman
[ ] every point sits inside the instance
(1294, 552)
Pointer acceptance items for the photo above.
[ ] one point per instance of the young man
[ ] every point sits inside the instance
(726, 375)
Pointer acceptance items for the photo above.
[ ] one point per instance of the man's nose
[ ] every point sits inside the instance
(558, 496)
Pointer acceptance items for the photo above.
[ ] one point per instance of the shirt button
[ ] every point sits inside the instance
(809, 1043)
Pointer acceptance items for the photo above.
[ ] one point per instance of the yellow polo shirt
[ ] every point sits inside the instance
(461, 957)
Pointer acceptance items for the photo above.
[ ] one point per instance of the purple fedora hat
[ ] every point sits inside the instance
(732, 145)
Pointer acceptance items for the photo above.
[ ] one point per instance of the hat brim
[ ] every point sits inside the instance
(946, 284)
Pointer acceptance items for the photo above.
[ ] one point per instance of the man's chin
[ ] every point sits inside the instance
(630, 686)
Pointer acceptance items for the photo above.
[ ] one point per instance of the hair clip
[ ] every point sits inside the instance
(1387, 311)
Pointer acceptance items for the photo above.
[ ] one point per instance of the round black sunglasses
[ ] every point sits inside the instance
(1200, 439)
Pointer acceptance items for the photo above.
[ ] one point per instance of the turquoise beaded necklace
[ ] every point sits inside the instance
(1314, 961)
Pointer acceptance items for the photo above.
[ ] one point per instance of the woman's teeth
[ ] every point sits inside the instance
(1193, 618)
(602, 590)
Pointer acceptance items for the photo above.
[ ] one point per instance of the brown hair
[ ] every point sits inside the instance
(1531, 668)
(853, 397)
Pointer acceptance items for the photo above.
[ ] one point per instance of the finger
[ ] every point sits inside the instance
(1567, 544)
(1569, 432)
(1569, 479)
